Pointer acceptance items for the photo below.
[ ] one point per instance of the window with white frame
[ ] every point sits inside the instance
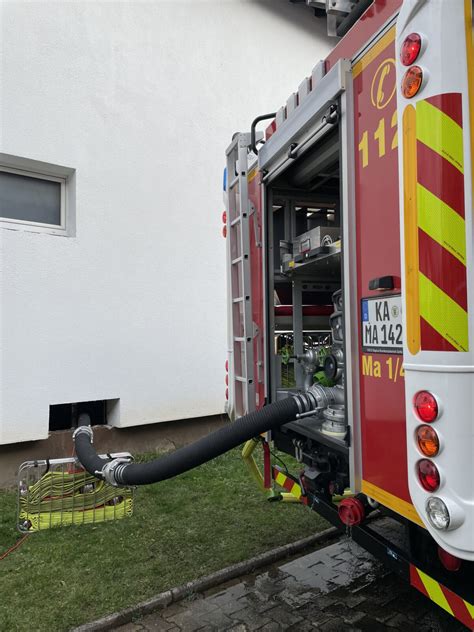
(32, 199)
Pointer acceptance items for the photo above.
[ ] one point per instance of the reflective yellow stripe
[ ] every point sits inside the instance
(441, 223)
(296, 491)
(387, 499)
(252, 174)
(369, 57)
(440, 133)
(411, 230)
(434, 591)
(470, 608)
(470, 73)
(280, 479)
(443, 314)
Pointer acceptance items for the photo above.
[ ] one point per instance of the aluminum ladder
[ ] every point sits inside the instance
(241, 325)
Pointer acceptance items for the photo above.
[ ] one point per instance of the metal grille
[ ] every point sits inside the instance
(59, 492)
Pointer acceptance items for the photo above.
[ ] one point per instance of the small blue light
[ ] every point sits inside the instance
(365, 310)
(224, 180)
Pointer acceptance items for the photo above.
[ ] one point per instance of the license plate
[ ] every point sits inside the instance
(382, 324)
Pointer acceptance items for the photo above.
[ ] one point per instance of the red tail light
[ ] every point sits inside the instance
(428, 475)
(227, 393)
(426, 406)
(224, 231)
(227, 366)
(450, 562)
(224, 217)
(410, 49)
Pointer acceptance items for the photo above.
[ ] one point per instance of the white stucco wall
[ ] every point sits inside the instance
(141, 99)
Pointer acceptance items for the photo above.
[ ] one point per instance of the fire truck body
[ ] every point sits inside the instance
(350, 259)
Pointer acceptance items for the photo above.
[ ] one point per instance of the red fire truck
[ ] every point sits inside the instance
(350, 237)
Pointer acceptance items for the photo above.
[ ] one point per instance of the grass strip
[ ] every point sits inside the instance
(182, 529)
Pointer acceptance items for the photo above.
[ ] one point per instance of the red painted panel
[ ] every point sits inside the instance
(382, 389)
(363, 30)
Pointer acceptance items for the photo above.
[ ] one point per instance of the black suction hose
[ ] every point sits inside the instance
(119, 472)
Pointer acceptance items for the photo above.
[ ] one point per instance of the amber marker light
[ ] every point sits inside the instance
(428, 440)
(411, 82)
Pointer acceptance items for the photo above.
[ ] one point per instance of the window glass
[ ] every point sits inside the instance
(30, 199)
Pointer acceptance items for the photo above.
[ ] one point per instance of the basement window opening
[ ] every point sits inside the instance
(65, 416)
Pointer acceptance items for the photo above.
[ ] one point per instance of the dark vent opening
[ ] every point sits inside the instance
(64, 416)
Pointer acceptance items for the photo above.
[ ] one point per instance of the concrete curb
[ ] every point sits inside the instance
(205, 583)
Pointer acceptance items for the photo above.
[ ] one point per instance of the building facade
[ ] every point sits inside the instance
(117, 114)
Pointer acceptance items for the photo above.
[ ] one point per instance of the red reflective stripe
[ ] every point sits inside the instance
(440, 177)
(431, 340)
(416, 582)
(267, 466)
(458, 607)
(271, 129)
(444, 270)
(449, 103)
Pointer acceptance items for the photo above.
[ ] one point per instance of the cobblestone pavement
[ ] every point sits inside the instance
(338, 587)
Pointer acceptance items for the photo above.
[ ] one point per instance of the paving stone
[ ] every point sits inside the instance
(267, 585)
(399, 622)
(251, 619)
(335, 624)
(312, 614)
(201, 607)
(186, 621)
(293, 599)
(217, 619)
(367, 624)
(273, 626)
(352, 617)
(284, 616)
(260, 603)
(230, 600)
(174, 608)
(339, 588)
(155, 623)
(302, 626)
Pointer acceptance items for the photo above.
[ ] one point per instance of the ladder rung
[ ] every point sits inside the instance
(238, 299)
(239, 339)
(235, 221)
(239, 378)
(237, 260)
(233, 182)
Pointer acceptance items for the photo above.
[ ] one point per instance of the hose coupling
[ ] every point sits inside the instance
(113, 470)
(83, 430)
(305, 402)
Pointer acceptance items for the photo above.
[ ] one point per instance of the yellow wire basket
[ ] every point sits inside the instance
(59, 492)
